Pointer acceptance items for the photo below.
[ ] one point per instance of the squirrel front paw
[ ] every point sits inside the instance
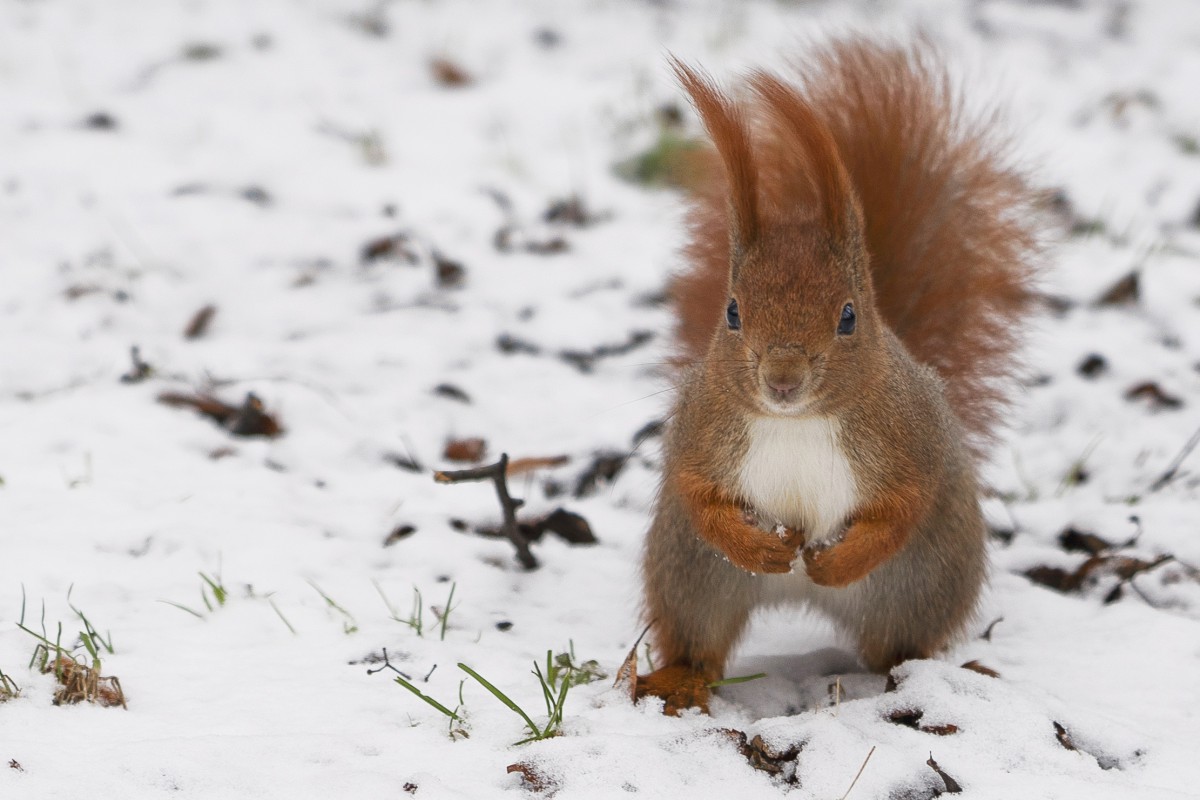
(835, 566)
(758, 551)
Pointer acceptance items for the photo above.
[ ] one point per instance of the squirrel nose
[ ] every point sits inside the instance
(782, 388)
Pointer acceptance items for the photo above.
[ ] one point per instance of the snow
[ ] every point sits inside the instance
(116, 237)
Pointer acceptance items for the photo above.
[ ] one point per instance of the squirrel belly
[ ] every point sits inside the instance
(796, 474)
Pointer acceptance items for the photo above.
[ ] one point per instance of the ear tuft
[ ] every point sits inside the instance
(792, 113)
(727, 127)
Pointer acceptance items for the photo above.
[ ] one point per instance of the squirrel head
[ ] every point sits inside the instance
(801, 326)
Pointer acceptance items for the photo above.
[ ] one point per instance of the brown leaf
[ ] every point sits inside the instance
(1157, 397)
(449, 74)
(568, 525)
(1056, 578)
(79, 683)
(975, 666)
(450, 274)
(248, 419)
(1063, 737)
(394, 248)
(952, 786)
(198, 325)
(1073, 540)
(532, 778)
(759, 754)
(909, 718)
(1124, 292)
(626, 679)
(466, 450)
(398, 533)
(939, 730)
(1124, 567)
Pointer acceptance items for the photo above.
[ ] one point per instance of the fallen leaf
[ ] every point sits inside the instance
(452, 392)
(952, 786)
(198, 325)
(1157, 397)
(465, 450)
(975, 666)
(604, 468)
(248, 419)
(532, 778)
(394, 248)
(567, 525)
(398, 533)
(1073, 540)
(1063, 737)
(450, 274)
(1124, 292)
(449, 74)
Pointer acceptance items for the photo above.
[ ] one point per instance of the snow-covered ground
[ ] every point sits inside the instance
(159, 157)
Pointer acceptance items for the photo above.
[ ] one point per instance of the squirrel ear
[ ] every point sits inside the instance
(727, 127)
(792, 113)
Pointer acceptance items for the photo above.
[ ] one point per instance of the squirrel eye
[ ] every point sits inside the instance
(846, 323)
(732, 318)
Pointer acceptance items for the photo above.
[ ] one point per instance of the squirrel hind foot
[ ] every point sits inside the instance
(882, 660)
(679, 686)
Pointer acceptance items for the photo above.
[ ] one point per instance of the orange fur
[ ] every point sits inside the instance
(947, 223)
(723, 523)
(878, 533)
(730, 134)
(679, 686)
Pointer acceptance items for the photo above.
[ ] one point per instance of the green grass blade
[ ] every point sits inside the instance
(446, 612)
(281, 616)
(400, 680)
(220, 593)
(739, 679)
(182, 607)
(546, 693)
(502, 697)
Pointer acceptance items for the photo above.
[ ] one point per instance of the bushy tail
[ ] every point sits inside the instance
(949, 222)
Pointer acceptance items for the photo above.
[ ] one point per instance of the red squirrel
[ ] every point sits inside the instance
(860, 263)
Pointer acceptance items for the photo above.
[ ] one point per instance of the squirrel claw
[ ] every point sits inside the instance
(767, 552)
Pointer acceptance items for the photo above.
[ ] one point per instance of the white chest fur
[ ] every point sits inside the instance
(796, 473)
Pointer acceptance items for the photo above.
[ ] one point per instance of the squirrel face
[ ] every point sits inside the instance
(797, 320)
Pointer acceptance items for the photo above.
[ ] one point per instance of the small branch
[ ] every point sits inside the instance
(497, 473)
(860, 772)
(1169, 475)
(387, 664)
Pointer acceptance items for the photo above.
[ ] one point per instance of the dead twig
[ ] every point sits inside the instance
(860, 772)
(497, 473)
(1172, 470)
